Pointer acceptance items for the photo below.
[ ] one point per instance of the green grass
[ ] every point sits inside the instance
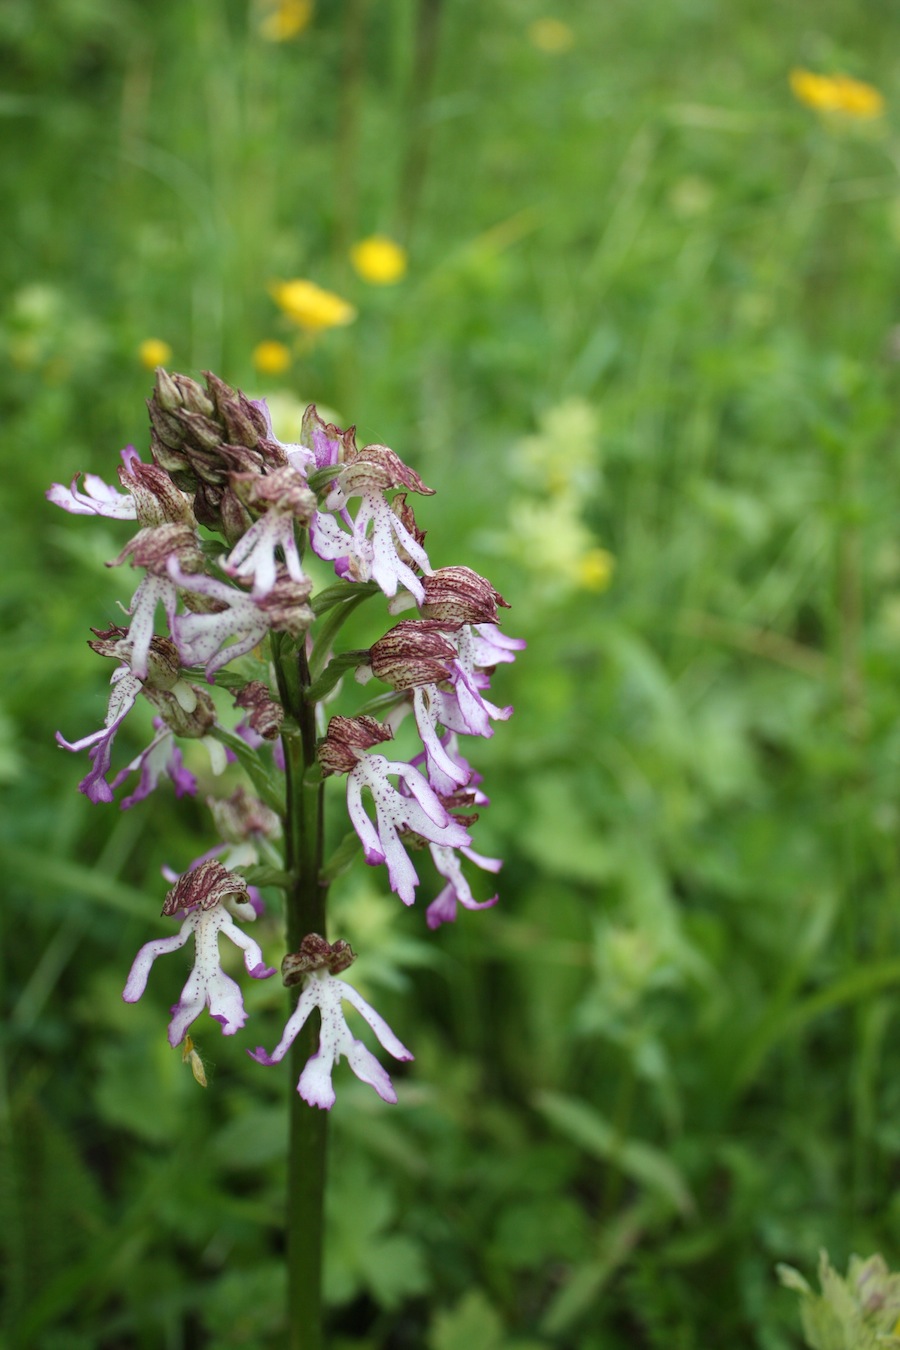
(667, 1060)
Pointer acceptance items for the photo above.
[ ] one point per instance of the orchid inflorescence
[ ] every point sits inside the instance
(226, 516)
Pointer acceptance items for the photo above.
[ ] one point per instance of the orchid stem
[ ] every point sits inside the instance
(305, 900)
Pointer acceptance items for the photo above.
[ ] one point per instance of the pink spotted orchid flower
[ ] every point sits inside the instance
(211, 899)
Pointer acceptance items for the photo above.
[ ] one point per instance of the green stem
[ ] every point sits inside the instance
(306, 897)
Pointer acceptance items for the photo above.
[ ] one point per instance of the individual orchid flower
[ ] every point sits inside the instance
(150, 496)
(125, 689)
(462, 707)
(421, 656)
(459, 705)
(185, 710)
(416, 809)
(283, 498)
(162, 756)
(204, 638)
(212, 899)
(414, 656)
(98, 498)
(360, 557)
(383, 555)
(152, 548)
(443, 908)
(188, 712)
(422, 813)
(318, 963)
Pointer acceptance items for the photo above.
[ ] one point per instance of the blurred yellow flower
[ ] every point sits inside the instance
(837, 94)
(594, 569)
(285, 19)
(310, 306)
(154, 352)
(271, 358)
(551, 35)
(379, 260)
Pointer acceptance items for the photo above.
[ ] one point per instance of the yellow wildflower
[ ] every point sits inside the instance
(271, 358)
(379, 260)
(310, 306)
(154, 352)
(285, 20)
(551, 35)
(594, 569)
(837, 94)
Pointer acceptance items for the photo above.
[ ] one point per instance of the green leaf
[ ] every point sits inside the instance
(270, 791)
(473, 1322)
(342, 858)
(643, 1163)
(335, 670)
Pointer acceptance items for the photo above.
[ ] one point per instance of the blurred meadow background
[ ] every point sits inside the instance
(641, 331)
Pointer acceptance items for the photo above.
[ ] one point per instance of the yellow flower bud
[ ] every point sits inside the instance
(379, 260)
(154, 352)
(594, 569)
(551, 36)
(286, 19)
(271, 358)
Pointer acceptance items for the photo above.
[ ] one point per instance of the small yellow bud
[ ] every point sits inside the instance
(286, 19)
(551, 36)
(594, 569)
(379, 260)
(271, 358)
(154, 352)
(310, 306)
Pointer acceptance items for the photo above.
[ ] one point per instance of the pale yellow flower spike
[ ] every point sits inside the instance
(189, 1056)
(839, 94)
(271, 358)
(313, 308)
(154, 352)
(288, 18)
(379, 260)
(594, 569)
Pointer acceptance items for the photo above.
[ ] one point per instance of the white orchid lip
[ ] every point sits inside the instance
(327, 993)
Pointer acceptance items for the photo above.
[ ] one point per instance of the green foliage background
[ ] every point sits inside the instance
(668, 1059)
